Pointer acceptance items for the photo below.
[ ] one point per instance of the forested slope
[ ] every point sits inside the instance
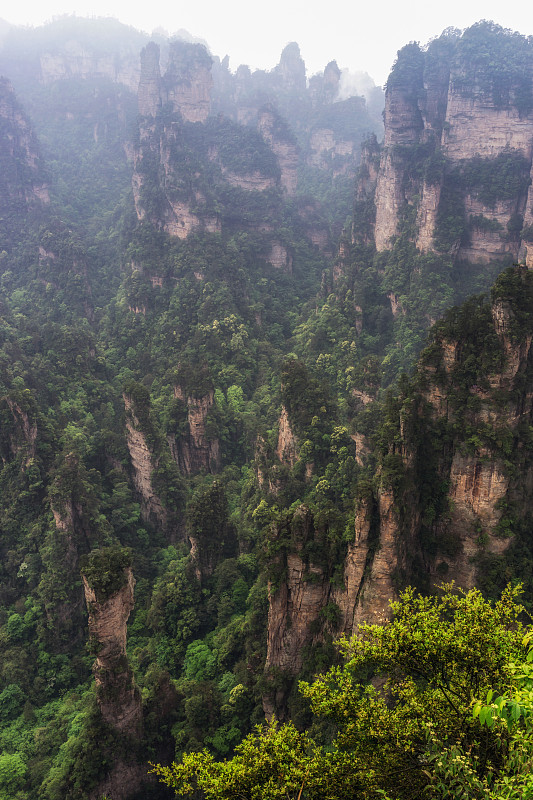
(203, 483)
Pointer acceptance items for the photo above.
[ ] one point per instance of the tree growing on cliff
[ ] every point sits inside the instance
(436, 656)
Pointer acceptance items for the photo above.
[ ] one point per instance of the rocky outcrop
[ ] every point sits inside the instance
(328, 151)
(187, 83)
(372, 561)
(118, 698)
(427, 216)
(76, 61)
(455, 474)
(306, 603)
(291, 68)
(149, 89)
(108, 584)
(480, 483)
(279, 257)
(294, 606)
(477, 126)
(403, 127)
(20, 436)
(284, 146)
(287, 449)
(143, 462)
(22, 180)
(162, 193)
(368, 169)
(253, 182)
(195, 451)
(442, 120)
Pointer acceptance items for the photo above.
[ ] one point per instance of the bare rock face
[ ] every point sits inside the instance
(293, 608)
(181, 221)
(149, 92)
(159, 191)
(477, 127)
(427, 216)
(196, 452)
(376, 588)
(143, 464)
(325, 148)
(284, 147)
(476, 489)
(185, 86)
(77, 61)
(306, 602)
(287, 449)
(403, 126)
(279, 257)
(119, 699)
(22, 180)
(108, 584)
(252, 182)
(332, 76)
(187, 82)
(480, 484)
(368, 169)
(434, 107)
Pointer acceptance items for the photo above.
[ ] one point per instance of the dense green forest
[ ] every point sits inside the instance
(203, 393)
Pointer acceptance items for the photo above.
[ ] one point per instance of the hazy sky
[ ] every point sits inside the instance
(360, 36)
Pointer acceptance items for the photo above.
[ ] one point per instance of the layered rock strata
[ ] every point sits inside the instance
(440, 122)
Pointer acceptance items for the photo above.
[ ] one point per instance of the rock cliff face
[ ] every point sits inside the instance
(195, 451)
(73, 48)
(19, 435)
(75, 61)
(446, 128)
(185, 86)
(119, 700)
(403, 127)
(449, 485)
(287, 449)
(291, 68)
(161, 193)
(22, 181)
(187, 82)
(325, 147)
(149, 85)
(279, 257)
(143, 464)
(284, 147)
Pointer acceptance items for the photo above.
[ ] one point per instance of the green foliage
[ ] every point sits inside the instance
(111, 305)
(408, 68)
(492, 179)
(436, 656)
(271, 763)
(514, 290)
(12, 774)
(496, 61)
(106, 571)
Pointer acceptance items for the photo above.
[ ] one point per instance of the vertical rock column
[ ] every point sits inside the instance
(108, 583)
